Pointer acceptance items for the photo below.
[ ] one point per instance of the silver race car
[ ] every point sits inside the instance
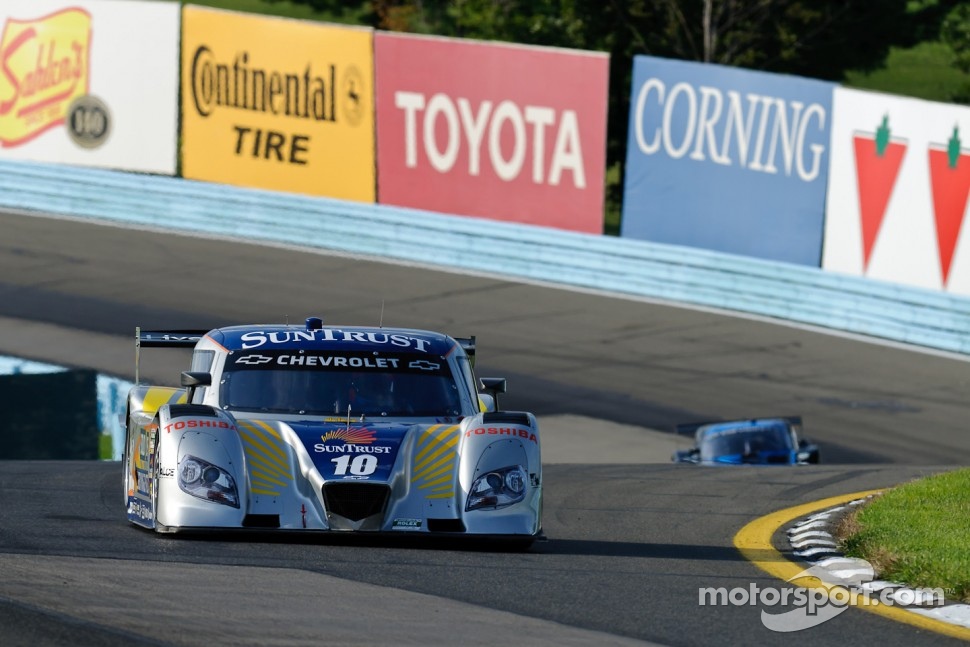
(324, 428)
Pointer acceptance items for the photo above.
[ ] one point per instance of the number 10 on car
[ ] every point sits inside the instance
(360, 465)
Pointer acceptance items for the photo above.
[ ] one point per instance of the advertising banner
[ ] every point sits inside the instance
(278, 104)
(898, 189)
(91, 83)
(727, 159)
(494, 130)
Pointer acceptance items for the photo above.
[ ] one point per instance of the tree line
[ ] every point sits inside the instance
(820, 39)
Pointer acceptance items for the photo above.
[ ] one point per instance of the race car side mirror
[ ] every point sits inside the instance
(807, 452)
(692, 455)
(493, 386)
(194, 379)
(486, 402)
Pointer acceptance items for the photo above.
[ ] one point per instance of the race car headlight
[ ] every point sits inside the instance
(497, 489)
(207, 481)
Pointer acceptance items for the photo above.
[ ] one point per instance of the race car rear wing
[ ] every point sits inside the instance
(164, 339)
(168, 338)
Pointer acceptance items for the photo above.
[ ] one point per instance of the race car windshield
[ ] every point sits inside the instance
(745, 442)
(329, 383)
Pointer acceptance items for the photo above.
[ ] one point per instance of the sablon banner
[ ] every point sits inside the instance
(898, 189)
(91, 83)
(278, 104)
(493, 130)
(727, 159)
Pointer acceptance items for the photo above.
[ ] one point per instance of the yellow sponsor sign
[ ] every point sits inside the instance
(44, 65)
(278, 104)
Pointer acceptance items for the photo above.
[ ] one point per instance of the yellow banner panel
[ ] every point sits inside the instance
(278, 104)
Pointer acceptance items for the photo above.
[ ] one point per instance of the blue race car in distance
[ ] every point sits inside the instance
(753, 441)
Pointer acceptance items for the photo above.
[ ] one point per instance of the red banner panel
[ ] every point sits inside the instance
(493, 130)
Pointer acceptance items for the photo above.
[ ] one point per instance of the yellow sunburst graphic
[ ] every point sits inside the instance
(352, 435)
(435, 460)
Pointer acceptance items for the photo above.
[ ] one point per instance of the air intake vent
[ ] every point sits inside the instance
(445, 525)
(355, 501)
(261, 521)
(515, 417)
(197, 410)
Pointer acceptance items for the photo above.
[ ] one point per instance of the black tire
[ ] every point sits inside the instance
(126, 463)
(154, 481)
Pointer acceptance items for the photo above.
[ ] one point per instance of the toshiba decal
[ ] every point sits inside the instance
(91, 82)
(494, 130)
(898, 191)
(727, 159)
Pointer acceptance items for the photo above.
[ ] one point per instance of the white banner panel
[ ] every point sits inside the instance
(898, 188)
(90, 82)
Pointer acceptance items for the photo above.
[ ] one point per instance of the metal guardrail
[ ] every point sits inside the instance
(665, 272)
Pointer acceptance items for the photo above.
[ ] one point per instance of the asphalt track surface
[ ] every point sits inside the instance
(629, 546)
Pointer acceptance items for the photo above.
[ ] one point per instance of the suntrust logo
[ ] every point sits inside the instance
(803, 608)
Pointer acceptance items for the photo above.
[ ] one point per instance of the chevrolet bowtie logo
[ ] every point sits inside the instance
(424, 365)
(254, 360)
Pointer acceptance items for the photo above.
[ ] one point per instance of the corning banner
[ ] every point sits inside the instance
(278, 104)
(90, 83)
(494, 130)
(727, 159)
(898, 188)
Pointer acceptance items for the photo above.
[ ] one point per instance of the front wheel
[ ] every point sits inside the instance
(126, 465)
(156, 495)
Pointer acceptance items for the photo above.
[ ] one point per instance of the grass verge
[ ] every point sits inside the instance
(105, 447)
(917, 533)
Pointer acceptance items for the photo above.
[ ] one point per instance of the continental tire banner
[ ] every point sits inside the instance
(727, 159)
(500, 131)
(898, 191)
(91, 83)
(277, 104)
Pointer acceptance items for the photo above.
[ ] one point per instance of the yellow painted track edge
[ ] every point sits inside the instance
(754, 543)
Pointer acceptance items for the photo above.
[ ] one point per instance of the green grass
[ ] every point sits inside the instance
(105, 447)
(918, 534)
(925, 71)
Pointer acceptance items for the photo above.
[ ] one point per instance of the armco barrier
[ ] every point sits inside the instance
(629, 267)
